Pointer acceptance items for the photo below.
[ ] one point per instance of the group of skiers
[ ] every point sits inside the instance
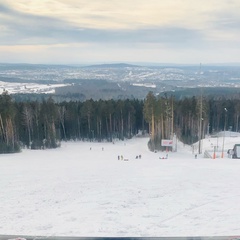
(120, 157)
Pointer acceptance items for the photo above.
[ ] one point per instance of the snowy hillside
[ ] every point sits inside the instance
(82, 189)
(14, 87)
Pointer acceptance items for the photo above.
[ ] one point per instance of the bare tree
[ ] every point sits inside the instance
(28, 122)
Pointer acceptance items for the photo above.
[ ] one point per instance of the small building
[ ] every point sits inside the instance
(236, 151)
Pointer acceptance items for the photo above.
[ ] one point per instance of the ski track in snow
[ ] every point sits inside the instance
(75, 191)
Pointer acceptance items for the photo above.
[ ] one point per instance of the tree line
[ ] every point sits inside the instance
(44, 124)
(189, 119)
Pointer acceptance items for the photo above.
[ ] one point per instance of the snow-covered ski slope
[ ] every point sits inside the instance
(75, 191)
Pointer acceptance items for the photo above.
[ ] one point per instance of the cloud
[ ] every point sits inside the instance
(226, 21)
(138, 26)
(25, 29)
(22, 28)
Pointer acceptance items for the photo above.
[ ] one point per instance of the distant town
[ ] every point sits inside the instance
(118, 81)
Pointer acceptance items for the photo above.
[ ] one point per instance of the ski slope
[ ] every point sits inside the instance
(75, 191)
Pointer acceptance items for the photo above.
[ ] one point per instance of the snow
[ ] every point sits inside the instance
(13, 88)
(148, 85)
(75, 191)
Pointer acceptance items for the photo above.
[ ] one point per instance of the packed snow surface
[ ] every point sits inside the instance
(82, 189)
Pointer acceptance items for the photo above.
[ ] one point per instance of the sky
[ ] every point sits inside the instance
(104, 31)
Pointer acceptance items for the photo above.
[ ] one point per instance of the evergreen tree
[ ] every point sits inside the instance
(8, 137)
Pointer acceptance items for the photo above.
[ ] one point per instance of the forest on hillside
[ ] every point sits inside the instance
(44, 124)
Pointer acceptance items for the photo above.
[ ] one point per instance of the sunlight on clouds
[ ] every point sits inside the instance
(36, 48)
(22, 48)
(102, 14)
(126, 14)
(84, 53)
(56, 53)
(184, 30)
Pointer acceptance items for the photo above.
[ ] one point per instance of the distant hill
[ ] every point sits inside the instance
(112, 65)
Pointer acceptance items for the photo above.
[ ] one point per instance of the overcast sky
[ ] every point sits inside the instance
(103, 31)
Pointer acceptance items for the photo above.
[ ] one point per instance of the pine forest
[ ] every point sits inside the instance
(44, 124)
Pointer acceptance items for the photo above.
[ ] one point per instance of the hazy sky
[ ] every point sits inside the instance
(84, 31)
